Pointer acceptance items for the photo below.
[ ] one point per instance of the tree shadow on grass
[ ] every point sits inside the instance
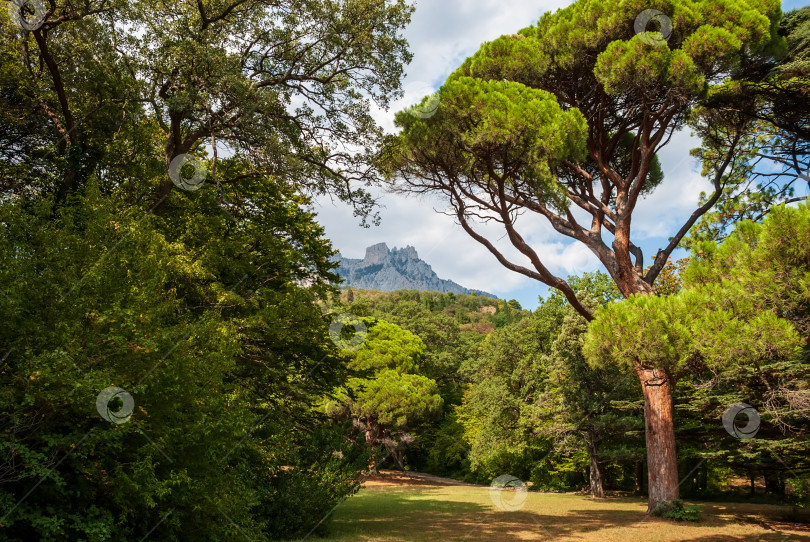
(427, 514)
(424, 515)
(629, 524)
(768, 537)
(405, 514)
(525, 525)
(767, 518)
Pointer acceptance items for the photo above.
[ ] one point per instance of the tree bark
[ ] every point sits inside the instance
(639, 477)
(397, 455)
(372, 437)
(69, 138)
(703, 479)
(595, 478)
(774, 482)
(662, 460)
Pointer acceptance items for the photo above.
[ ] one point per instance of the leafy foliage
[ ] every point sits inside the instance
(179, 313)
(390, 397)
(763, 111)
(536, 408)
(452, 327)
(204, 306)
(117, 90)
(678, 510)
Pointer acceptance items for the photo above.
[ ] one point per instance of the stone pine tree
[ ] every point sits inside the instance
(743, 312)
(561, 122)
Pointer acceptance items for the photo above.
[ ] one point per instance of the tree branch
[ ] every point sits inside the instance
(663, 255)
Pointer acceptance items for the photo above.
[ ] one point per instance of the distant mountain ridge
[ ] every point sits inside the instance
(387, 270)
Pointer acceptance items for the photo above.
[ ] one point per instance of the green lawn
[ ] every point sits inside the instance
(436, 512)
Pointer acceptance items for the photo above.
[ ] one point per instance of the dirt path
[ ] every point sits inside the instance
(410, 478)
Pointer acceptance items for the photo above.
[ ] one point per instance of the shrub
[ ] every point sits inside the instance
(676, 509)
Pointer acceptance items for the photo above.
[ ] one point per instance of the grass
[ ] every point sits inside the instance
(402, 510)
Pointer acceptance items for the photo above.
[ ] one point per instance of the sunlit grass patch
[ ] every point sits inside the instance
(437, 512)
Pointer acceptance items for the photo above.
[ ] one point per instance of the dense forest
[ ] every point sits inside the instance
(519, 396)
(179, 362)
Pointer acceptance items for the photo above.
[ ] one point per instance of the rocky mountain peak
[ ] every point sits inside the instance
(376, 254)
(387, 270)
(407, 253)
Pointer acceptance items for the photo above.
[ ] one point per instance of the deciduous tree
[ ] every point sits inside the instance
(389, 397)
(283, 89)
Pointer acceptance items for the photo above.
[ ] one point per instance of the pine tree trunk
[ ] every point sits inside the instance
(662, 460)
(639, 477)
(774, 483)
(397, 454)
(595, 478)
(372, 437)
(703, 481)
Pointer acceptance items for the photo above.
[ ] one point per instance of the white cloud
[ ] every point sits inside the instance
(663, 212)
(443, 33)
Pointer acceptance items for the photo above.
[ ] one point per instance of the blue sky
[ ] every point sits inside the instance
(442, 34)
